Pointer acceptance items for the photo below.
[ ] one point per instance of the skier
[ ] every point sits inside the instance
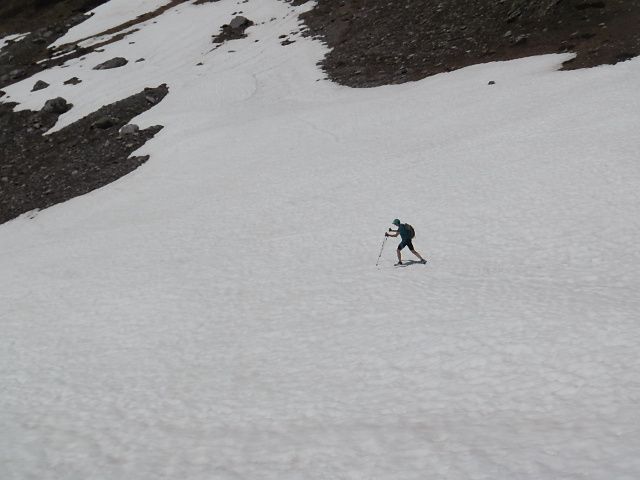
(407, 233)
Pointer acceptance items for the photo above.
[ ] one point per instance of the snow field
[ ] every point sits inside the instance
(218, 313)
(109, 15)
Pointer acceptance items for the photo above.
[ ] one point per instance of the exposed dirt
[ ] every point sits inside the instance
(378, 42)
(30, 55)
(37, 170)
(22, 16)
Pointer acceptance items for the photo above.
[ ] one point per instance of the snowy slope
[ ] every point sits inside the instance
(217, 314)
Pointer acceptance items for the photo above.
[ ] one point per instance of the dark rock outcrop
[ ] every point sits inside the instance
(40, 85)
(73, 81)
(234, 30)
(130, 129)
(116, 62)
(105, 122)
(37, 170)
(378, 42)
(57, 106)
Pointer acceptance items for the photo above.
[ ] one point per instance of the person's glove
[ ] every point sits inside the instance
(386, 234)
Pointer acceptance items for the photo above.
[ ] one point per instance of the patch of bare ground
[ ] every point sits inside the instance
(379, 42)
(38, 170)
(30, 55)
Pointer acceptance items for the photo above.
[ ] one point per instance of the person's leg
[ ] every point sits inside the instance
(400, 247)
(413, 250)
(418, 255)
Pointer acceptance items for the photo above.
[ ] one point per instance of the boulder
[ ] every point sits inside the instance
(17, 73)
(73, 81)
(105, 122)
(113, 63)
(130, 129)
(57, 106)
(239, 23)
(40, 85)
(521, 39)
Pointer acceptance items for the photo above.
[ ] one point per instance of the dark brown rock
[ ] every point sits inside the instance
(40, 85)
(105, 122)
(73, 81)
(57, 106)
(116, 62)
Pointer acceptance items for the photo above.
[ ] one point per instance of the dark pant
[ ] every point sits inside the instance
(406, 243)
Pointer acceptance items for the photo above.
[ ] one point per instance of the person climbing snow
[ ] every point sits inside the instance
(406, 233)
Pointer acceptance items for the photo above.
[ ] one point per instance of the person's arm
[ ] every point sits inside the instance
(394, 233)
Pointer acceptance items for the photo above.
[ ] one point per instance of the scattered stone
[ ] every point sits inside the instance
(17, 73)
(234, 30)
(43, 170)
(2, 93)
(73, 81)
(139, 60)
(520, 39)
(66, 50)
(586, 5)
(129, 129)
(105, 122)
(239, 23)
(40, 85)
(57, 106)
(624, 56)
(513, 15)
(116, 62)
(491, 82)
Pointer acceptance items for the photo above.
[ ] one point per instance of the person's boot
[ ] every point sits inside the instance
(399, 263)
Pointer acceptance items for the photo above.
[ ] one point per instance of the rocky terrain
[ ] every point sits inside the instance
(380, 42)
(373, 42)
(37, 171)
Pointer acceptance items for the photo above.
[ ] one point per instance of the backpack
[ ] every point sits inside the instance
(411, 230)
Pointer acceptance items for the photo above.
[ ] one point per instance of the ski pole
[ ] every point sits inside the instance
(381, 249)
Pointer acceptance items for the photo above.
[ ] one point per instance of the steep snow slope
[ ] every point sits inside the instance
(110, 15)
(218, 313)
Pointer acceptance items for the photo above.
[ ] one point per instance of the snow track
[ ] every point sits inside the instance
(217, 314)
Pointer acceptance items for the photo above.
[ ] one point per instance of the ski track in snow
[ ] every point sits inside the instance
(218, 313)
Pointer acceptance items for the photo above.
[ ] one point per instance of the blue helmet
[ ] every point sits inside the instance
(396, 222)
